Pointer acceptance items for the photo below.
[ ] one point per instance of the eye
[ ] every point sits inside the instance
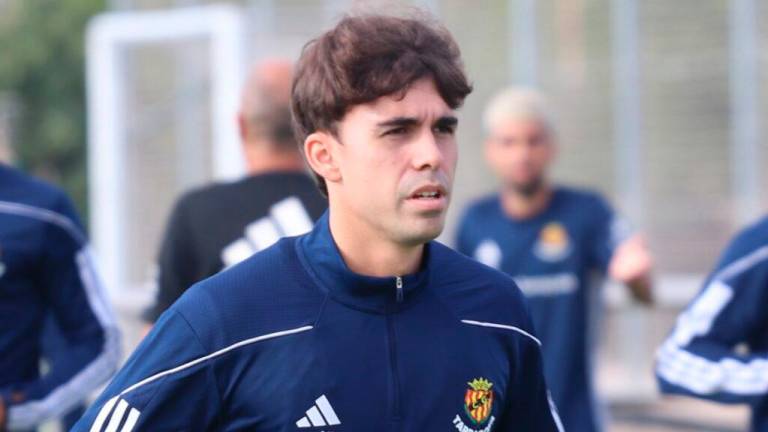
(402, 130)
(445, 129)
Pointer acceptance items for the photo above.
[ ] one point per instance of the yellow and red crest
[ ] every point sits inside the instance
(478, 400)
(553, 244)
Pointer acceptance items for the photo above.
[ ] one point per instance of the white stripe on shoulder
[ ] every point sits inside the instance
(103, 414)
(215, 354)
(133, 417)
(742, 264)
(122, 414)
(678, 364)
(502, 326)
(709, 376)
(117, 416)
(44, 215)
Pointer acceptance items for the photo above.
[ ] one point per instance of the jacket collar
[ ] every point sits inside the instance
(320, 256)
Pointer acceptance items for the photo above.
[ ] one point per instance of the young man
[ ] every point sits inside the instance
(719, 347)
(364, 324)
(552, 240)
(220, 225)
(46, 270)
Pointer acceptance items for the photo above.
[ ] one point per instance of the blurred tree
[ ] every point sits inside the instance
(42, 67)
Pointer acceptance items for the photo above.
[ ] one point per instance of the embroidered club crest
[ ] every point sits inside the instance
(553, 244)
(478, 400)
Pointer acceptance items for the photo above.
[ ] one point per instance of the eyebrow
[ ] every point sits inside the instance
(410, 121)
(447, 121)
(398, 122)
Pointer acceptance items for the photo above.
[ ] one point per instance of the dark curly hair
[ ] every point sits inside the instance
(366, 57)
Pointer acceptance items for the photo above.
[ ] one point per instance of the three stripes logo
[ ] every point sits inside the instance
(321, 414)
(117, 415)
(286, 218)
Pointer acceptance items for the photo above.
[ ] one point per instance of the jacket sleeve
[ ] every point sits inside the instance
(167, 384)
(533, 410)
(710, 353)
(90, 342)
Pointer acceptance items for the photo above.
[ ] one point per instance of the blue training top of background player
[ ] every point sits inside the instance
(47, 273)
(553, 257)
(718, 349)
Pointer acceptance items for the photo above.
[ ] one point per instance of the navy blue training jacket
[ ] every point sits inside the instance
(718, 349)
(47, 274)
(292, 340)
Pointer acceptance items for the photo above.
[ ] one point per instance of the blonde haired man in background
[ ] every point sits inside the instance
(551, 239)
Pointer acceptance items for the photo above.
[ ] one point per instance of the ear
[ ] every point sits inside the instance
(554, 147)
(318, 149)
(488, 149)
(242, 127)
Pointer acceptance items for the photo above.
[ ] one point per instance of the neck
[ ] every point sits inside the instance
(261, 159)
(524, 206)
(367, 253)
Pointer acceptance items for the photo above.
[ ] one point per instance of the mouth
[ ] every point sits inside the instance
(428, 193)
(429, 197)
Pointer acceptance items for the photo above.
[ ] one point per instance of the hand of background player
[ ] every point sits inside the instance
(2, 415)
(632, 264)
(631, 260)
(16, 397)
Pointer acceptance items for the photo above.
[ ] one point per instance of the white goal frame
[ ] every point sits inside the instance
(107, 35)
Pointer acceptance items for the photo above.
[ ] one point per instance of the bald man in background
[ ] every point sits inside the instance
(218, 226)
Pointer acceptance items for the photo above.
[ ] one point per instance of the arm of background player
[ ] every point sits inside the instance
(166, 384)
(78, 302)
(707, 355)
(622, 254)
(176, 263)
(631, 264)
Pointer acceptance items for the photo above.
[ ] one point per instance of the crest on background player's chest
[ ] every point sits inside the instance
(553, 243)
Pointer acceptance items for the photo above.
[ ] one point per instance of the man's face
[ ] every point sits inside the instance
(519, 151)
(396, 157)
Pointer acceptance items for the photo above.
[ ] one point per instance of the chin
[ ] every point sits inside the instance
(424, 233)
(526, 188)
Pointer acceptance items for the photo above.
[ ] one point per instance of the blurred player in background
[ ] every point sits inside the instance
(220, 225)
(364, 324)
(718, 349)
(46, 269)
(553, 240)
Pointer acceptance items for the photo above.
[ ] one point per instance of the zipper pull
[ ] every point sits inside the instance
(399, 287)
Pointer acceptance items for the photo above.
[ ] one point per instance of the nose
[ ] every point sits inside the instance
(428, 153)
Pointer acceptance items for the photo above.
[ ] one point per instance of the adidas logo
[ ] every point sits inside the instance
(286, 218)
(321, 414)
(117, 412)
